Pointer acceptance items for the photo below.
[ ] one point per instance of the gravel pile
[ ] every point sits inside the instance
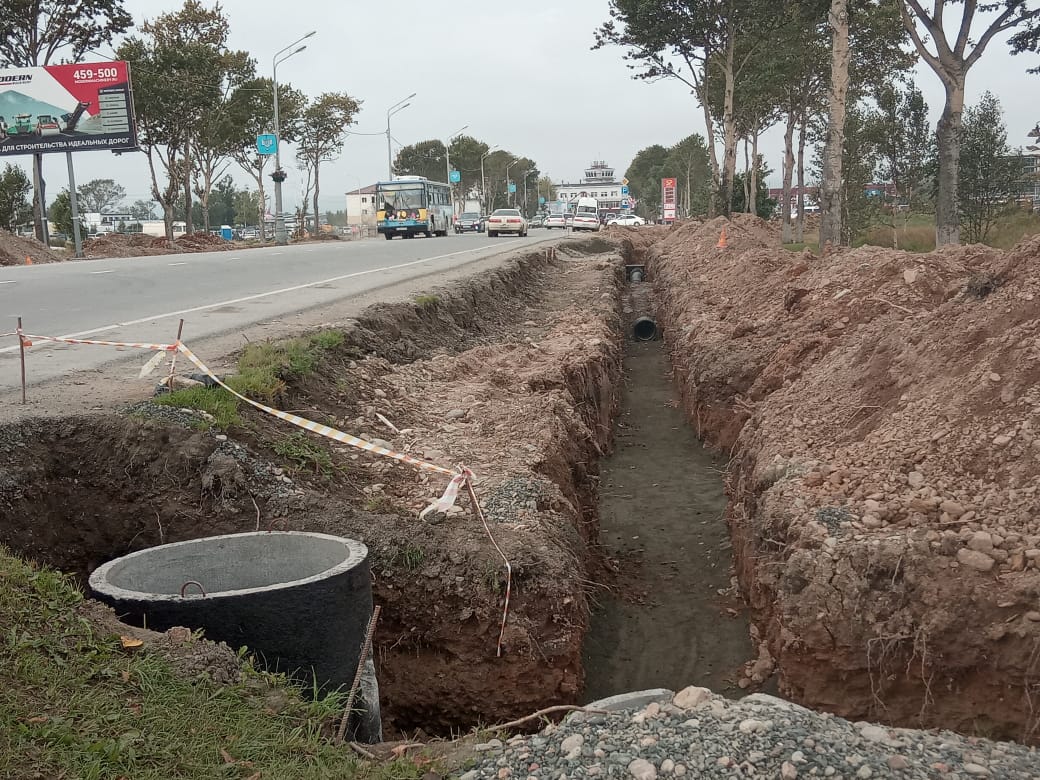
(698, 734)
(514, 499)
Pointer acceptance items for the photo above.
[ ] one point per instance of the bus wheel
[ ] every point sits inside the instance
(387, 236)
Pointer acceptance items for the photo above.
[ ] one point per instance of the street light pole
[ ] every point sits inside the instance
(512, 200)
(447, 162)
(483, 190)
(389, 113)
(279, 175)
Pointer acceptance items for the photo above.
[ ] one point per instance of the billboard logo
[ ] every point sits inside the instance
(20, 78)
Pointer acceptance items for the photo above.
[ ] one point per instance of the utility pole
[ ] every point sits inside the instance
(483, 190)
(447, 163)
(279, 175)
(389, 113)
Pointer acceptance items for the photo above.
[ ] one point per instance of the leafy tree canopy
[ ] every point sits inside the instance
(37, 32)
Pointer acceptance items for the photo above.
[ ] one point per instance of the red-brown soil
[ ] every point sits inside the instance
(15, 249)
(883, 416)
(138, 244)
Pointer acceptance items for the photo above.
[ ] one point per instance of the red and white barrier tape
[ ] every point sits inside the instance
(27, 340)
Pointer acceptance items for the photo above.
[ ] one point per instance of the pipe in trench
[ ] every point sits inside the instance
(644, 329)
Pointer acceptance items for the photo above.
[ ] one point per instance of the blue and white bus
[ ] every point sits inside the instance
(411, 205)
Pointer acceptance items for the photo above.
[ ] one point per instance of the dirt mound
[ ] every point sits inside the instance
(14, 249)
(137, 244)
(883, 411)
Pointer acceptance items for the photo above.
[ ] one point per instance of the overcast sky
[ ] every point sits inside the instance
(522, 78)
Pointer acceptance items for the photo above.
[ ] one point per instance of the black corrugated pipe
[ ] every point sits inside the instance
(644, 329)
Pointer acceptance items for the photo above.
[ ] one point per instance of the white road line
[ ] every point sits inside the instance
(9, 281)
(176, 264)
(268, 294)
(97, 273)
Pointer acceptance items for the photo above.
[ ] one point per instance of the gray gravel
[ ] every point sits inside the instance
(698, 734)
(515, 499)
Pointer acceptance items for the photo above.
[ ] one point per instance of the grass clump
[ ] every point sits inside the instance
(427, 301)
(73, 703)
(263, 372)
(305, 453)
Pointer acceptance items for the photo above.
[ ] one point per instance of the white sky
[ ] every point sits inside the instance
(523, 78)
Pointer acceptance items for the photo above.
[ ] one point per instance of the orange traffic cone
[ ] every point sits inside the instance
(722, 238)
(28, 260)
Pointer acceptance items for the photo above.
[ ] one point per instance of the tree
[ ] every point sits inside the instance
(249, 111)
(36, 32)
(425, 158)
(322, 133)
(951, 62)
(830, 183)
(100, 195)
(181, 68)
(687, 161)
(247, 206)
(15, 187)
(761, 204)
(60, 212)
(988, 169)
(466, 152)
(142, 209)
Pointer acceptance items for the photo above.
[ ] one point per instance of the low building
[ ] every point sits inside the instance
(599, 183)
(1027, 189)
(361, 206)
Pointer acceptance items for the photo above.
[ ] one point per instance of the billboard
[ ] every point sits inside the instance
(668, 199)
(66, 108)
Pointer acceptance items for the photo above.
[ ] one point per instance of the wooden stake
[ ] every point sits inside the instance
(21, 352)
(173, 359)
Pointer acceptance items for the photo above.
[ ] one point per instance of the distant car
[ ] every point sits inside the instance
(469, 222)
(605, 218)
(627, 219)
(506, 221)
(568, 219)
(47, 125)
(585, 222)
(555, 221)
(536, 221)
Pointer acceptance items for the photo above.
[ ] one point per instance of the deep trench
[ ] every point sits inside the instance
(673, 618)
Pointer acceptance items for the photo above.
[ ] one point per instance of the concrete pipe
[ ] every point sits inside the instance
(299, 601)
(644, 329)
(637, 276)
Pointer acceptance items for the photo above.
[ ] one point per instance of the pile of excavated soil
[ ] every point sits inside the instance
(884, 416)
(15, 249)
(137, 244)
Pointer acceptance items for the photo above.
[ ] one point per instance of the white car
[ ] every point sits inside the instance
(583, 221)
(555, 221)
(506, 221)
(627, 219)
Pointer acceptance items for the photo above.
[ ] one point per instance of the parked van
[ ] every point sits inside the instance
(586, 215)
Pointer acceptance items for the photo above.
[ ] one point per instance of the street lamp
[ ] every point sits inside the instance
(483, 190)
(447, 161)
(514, 161)
(279, 174)
(389, 113)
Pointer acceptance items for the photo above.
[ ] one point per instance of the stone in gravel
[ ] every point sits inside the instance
(455, 414)
(864, 772)
(897, 762)
(504, 772)
(981, 541)
(974, 559)
(874, 733)
(653, 709)
(952, 508)
(976, 770)
(641, 769)
(1001, 441)
(680, 770)
(916, 479)
(1033, 616)
(630, 701)
(571, 746)
(472, 774)
(788, 771)
(751, 726)
(667, 766)
(691, 697)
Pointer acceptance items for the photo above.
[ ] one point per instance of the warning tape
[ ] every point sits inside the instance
(28, 339)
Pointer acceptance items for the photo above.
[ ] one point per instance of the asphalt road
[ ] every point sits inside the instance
(142, 299)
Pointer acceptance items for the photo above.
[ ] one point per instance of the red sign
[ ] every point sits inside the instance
(668, 199)
(66, 108)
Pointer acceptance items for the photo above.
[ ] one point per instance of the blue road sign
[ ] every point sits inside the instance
(541, 201)
(266, 143)
(624, 204)
(512, 186)
(624, 189)
(455, 177)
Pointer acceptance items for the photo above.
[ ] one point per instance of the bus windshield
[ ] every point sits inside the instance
(405, 196)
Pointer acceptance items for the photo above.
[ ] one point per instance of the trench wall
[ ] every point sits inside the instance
(879, 409)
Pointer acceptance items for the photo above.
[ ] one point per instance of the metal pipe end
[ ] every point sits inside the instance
(644, 329)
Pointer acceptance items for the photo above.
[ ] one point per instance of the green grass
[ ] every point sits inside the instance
(73, 703)
(263, 371)
(426, 301)
(305, 453)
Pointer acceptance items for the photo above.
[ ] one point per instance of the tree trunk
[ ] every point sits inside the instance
(786, 232)
(204, 203)
(753, 198)
(799, 235)
(947, 211)
(168, 219)
(729, 125)
(39, 197)
(186, 162)
(317, 227)
(831, 185)
(715, 196)
(747, 178)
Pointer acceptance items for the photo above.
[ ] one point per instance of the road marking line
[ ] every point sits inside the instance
(269, 293)
(96, 273)
(176, 264)
(9, 281)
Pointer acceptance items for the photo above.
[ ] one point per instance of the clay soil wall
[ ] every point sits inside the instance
(882, 413)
